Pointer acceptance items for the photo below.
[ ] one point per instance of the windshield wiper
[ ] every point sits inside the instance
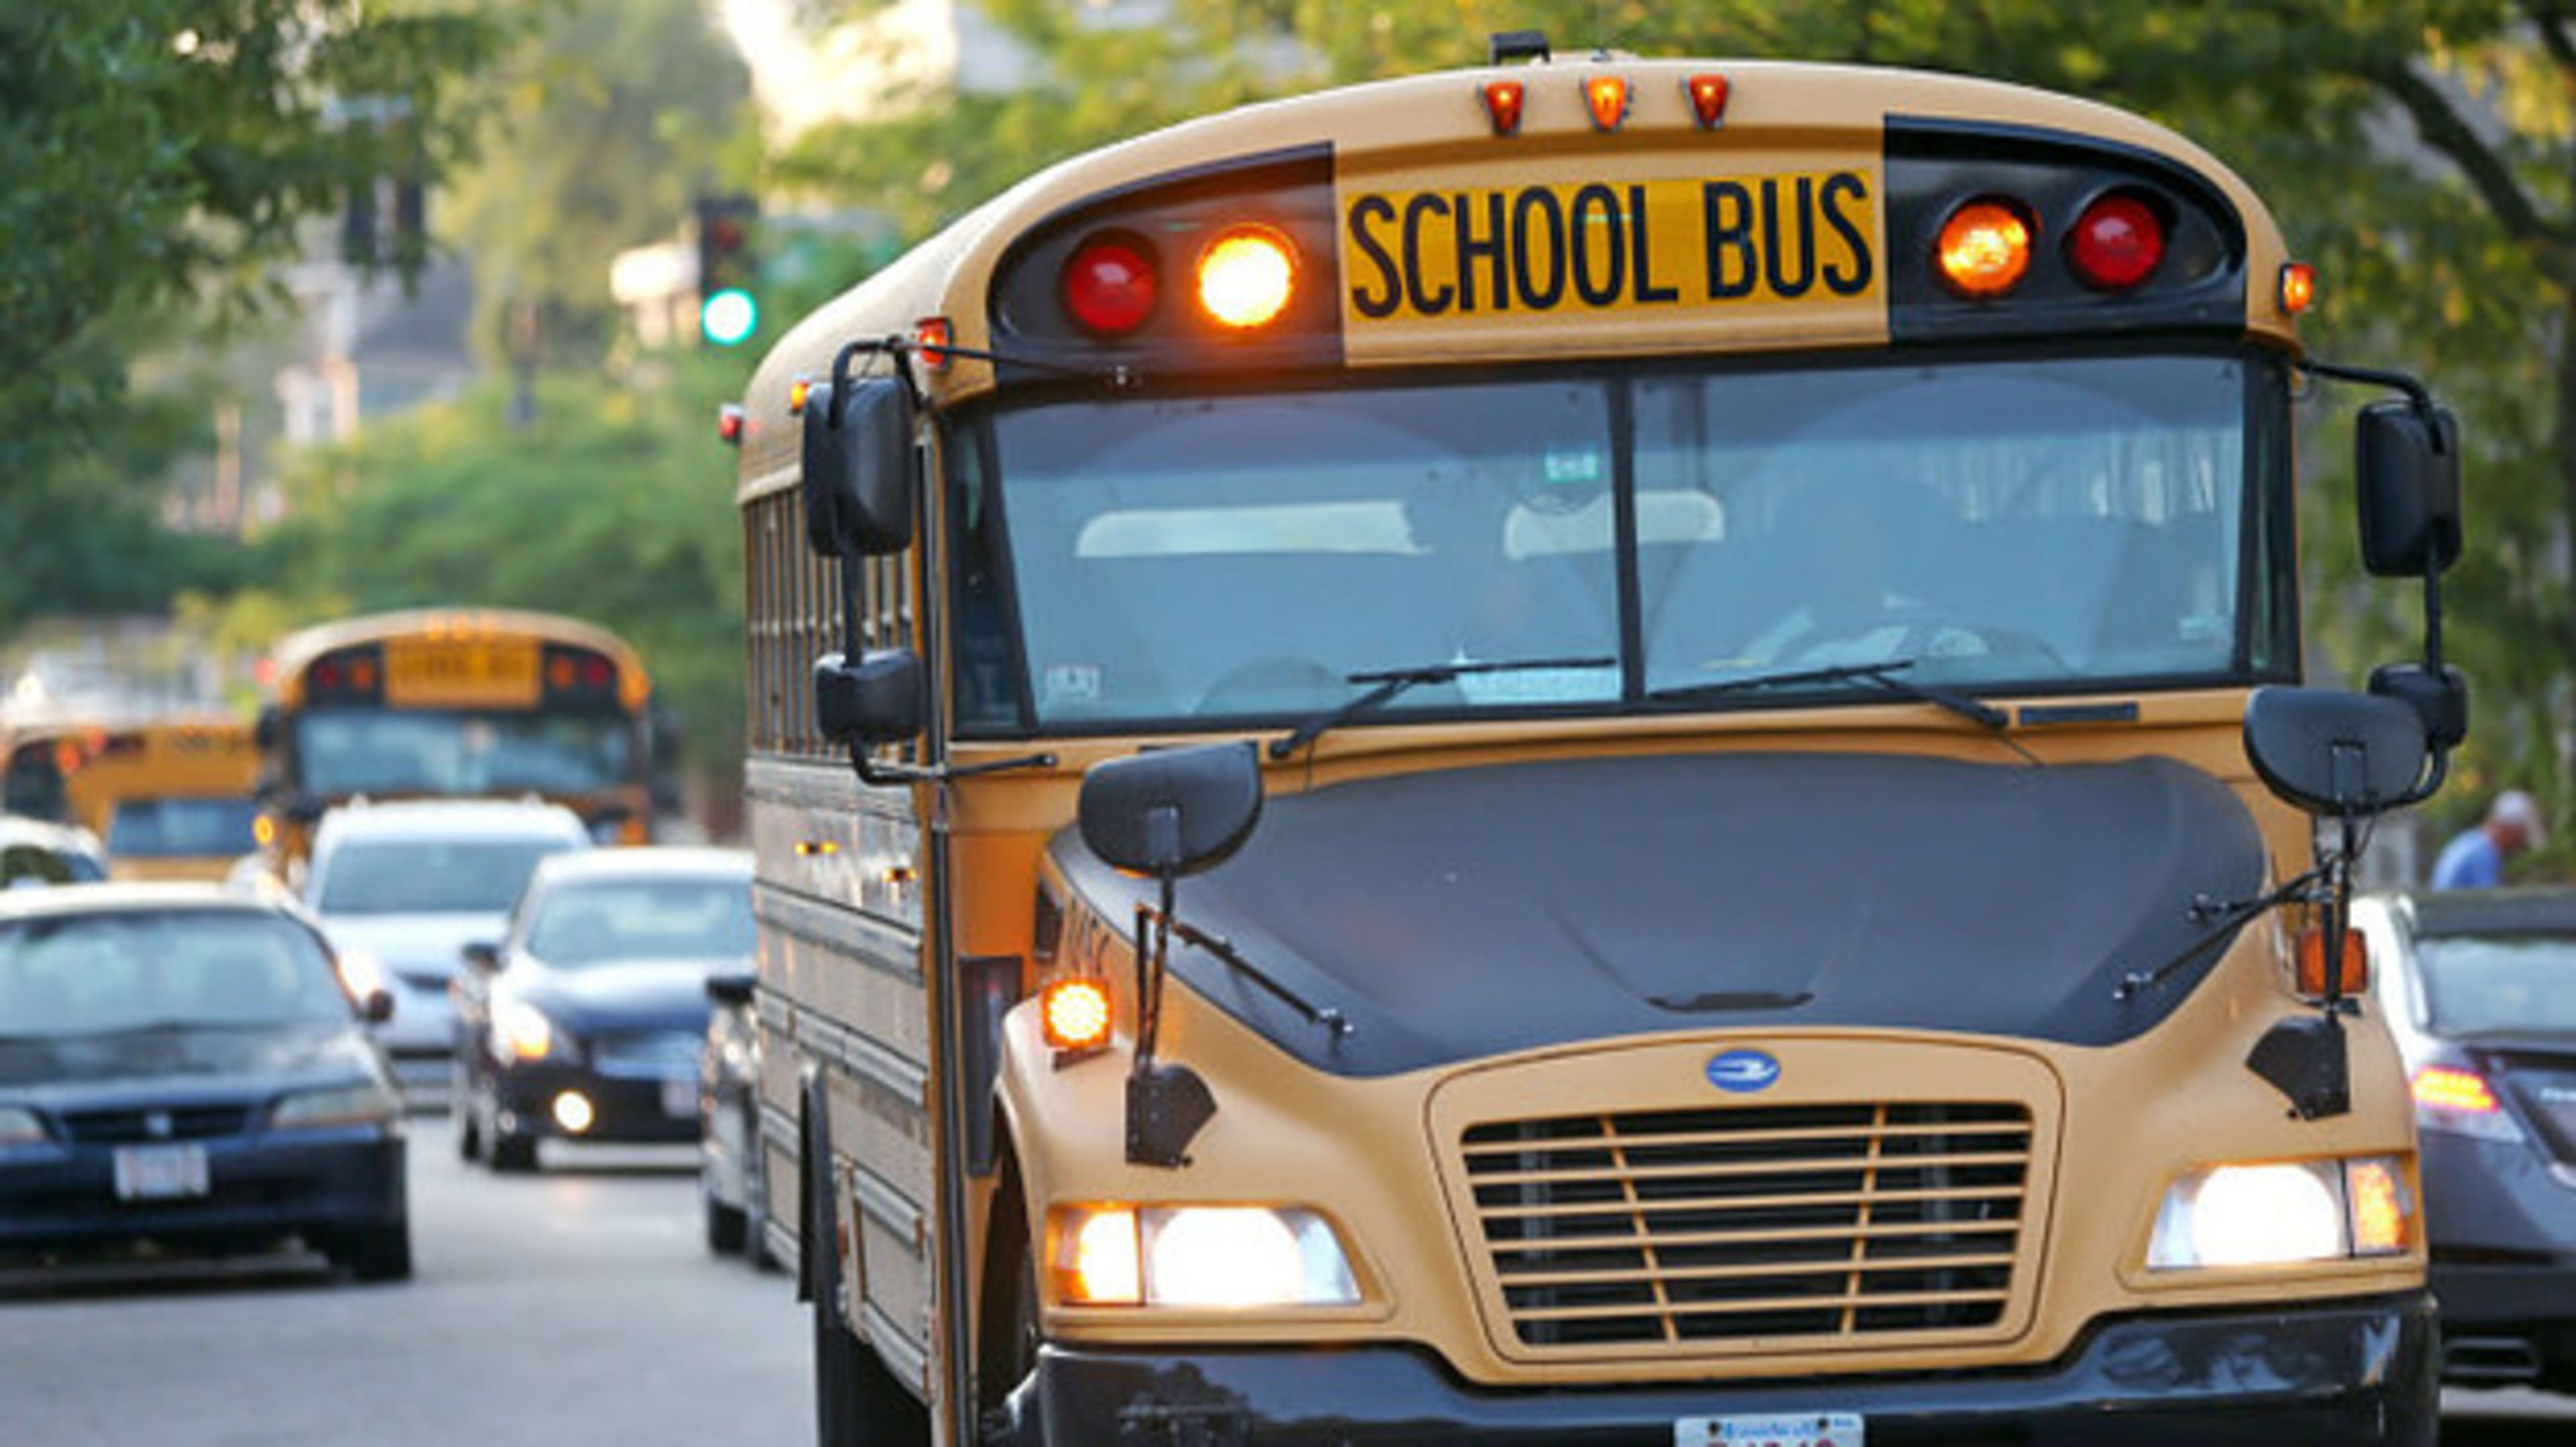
(1392, 681)
(1880, 675)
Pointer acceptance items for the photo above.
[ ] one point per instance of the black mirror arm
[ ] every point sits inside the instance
(887, 776)
(2416, 392)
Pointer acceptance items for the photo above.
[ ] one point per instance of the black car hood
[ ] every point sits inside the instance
(1468, 912)
(229, 1063)
(628, 995)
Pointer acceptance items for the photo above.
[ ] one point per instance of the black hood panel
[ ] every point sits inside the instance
(1465, 913)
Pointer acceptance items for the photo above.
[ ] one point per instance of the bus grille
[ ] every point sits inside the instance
(1700, 1228)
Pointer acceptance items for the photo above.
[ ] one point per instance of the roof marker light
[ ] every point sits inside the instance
(729, 423)
(1606, 96)
(2298, 287)
(799, 392)
(1708, 100)
(1985, 248)
(1246, 277)
(1109, 284)
(1503, 105)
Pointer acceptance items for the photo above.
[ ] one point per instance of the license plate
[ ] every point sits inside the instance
(680, 1096)
(1779, 1429)
(160, 1173)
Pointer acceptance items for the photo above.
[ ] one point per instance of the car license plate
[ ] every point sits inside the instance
(160, 1173)
(680, 1095)
(1777, 1429)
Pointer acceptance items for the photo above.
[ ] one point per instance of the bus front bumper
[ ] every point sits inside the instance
(2352, 1372)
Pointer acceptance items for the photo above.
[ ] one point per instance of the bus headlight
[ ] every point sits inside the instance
(521, 1031)
(1199, 1256)
(2284, 1212)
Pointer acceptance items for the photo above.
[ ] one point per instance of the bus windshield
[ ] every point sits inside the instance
(2038, 524)
(439, 751)
(182, 827)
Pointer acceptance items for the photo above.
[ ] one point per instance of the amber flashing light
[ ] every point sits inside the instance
(1984, 249)
(1606, 96)
(1246, 277)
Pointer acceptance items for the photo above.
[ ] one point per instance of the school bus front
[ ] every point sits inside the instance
(1599, 768)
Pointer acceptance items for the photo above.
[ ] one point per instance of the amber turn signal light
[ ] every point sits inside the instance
(1074, 1014)
(2355, 975)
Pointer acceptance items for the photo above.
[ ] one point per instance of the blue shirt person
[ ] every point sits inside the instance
(2475, 858)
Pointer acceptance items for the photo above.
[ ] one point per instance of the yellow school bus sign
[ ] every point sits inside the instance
(1795, 247)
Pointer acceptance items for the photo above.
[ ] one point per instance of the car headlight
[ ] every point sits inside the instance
(20, 1127)
(365, 1103)
(2284, 1212)
(521, 1031)
(1199, 1256)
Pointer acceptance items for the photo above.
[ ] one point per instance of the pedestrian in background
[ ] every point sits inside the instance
(2475, 858)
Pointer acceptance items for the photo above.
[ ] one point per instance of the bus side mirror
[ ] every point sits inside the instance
(858, 468)
(267, 728)
(2331, 752)
(733, 990)
(2440, 698)
(2409, 464)
(1172, 811)
(877, 700)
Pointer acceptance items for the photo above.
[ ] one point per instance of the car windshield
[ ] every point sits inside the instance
(2066, 524)
(182, 828)
(125, 970)
(429, 876)
(437, 751)
(600, 921)
(2502, 985)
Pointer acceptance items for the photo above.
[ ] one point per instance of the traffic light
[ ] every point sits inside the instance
(728, 313)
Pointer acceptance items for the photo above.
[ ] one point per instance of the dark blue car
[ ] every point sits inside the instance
(2479, 987)
(585, 1021)
(182, 1070)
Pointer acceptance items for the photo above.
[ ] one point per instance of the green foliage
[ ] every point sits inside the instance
(612, 506)
(601, 129)
(165, 152)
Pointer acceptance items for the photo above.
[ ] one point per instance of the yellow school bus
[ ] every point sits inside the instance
(1598, 750)
(171, 799)
(455, 702)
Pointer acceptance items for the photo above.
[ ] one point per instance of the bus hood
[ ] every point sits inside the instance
(1471, 912)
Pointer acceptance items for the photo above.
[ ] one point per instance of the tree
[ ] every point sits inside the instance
(601, 130)
(163, 153)
(613, 505)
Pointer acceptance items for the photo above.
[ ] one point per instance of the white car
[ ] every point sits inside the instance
(403, 886)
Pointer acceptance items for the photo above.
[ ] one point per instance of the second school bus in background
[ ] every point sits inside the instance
(1597, 750)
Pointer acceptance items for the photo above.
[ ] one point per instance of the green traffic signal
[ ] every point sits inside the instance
(729, 317)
